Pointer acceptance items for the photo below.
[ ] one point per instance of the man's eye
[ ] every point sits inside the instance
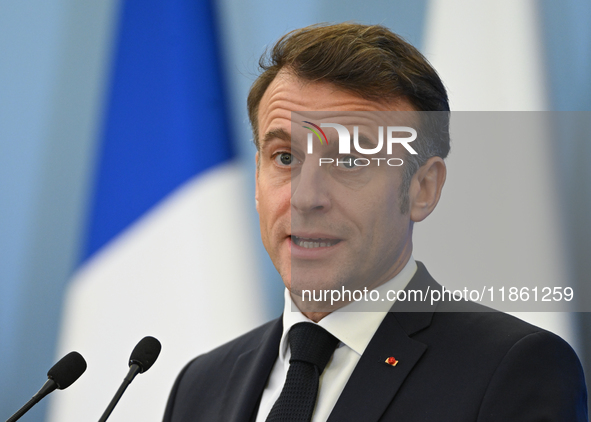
(284, 159)
(347, 162)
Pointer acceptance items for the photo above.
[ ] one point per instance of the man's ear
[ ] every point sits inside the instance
(425, 188)
(256, 185)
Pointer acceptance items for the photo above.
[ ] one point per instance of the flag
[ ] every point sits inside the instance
(167, 251)
(495, 229)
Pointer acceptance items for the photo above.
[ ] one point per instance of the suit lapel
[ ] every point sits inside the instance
(373, 380)
(249, 376)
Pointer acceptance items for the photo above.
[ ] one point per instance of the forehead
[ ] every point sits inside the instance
(288, 93)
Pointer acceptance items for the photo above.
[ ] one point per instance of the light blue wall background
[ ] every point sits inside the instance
(54, 61)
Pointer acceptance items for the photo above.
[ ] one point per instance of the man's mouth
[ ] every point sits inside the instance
(310, 243)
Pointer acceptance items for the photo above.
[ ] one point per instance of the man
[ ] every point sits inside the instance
(350, 227)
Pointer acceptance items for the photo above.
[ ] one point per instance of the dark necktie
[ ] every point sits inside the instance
(311, 348)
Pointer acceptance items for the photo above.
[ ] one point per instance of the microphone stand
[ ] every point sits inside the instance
(134, 369)
(49, 386)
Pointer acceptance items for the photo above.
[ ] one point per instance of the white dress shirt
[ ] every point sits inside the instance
(353, 328)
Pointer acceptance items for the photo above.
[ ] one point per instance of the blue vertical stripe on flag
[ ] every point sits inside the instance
(165, 119)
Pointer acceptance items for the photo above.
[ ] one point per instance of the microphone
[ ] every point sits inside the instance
(142, 358)
(60, 376)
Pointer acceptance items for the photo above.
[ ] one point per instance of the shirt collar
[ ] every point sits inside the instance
(354, 328)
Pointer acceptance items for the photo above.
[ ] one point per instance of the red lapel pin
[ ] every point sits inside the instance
(392, 361)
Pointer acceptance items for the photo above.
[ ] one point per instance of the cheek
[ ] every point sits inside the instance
(380, 215)
(273, 204)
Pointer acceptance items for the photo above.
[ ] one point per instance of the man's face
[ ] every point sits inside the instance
(325, 227)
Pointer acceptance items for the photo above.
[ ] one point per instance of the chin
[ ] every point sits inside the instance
(314, 282)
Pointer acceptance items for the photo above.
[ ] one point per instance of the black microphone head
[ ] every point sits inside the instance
(145, 353)
(67, 370)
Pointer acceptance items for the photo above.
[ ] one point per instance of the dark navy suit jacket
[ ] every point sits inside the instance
(466, 365)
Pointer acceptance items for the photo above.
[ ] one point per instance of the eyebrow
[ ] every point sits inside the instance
(365, 142)
(275, 134)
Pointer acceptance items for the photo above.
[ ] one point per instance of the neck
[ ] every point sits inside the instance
(315, 316)
(318, 310)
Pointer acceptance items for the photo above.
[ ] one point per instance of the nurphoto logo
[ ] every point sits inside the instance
(345, 143)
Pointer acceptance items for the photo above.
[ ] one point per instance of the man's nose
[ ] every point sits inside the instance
(310, 188)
